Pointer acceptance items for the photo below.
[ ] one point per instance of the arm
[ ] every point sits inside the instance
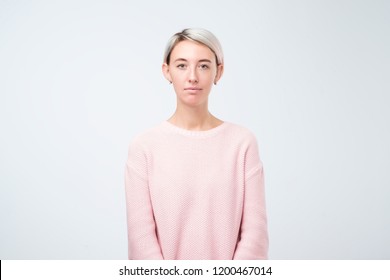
(253, 241)
(143, 243)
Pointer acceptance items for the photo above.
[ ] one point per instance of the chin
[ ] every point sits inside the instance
(193, 103)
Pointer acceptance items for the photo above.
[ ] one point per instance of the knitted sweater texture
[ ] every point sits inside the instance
(195, 194)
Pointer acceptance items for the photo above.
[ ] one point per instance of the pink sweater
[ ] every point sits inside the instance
(195, 194)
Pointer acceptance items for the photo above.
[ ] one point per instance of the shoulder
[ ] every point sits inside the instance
(242, 133)
(147, 134)
(248, 146)
(145, 138)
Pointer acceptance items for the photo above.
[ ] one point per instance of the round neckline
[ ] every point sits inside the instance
(195, 133)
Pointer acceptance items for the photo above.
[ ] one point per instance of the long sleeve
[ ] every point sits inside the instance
(253, 240)
(195, 194)
(142, 239)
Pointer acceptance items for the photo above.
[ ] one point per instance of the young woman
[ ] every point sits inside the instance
(194, 183)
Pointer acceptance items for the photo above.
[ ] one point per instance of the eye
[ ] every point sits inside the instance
(181, 66)
(204, 66)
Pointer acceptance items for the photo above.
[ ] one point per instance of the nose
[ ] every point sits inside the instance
(193, 77)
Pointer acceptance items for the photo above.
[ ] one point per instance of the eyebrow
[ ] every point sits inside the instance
(202, 60)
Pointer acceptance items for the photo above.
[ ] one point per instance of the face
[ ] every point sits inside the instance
(193, 71)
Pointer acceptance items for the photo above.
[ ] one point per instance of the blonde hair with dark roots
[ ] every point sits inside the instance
(198, 35)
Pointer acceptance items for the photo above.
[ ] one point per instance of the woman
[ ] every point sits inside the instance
(194, 183)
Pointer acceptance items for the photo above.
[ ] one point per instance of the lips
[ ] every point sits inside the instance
(192, 88)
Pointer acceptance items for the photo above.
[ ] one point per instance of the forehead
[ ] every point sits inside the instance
(191, 50)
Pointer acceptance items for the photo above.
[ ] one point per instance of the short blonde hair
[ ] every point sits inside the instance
(198, 35)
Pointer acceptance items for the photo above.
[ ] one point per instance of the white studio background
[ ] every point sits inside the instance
(79, 79)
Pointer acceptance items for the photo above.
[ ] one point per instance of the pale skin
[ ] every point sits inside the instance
(193, 70)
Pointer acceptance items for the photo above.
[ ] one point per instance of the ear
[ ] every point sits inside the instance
(167, 74)
(219, 73)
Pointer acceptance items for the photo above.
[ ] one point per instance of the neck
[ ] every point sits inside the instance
(194, 118)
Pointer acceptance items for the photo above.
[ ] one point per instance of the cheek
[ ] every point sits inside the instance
(208, 77)
(177, 75)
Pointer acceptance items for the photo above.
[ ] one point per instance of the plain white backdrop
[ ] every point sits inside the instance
(79, 79)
